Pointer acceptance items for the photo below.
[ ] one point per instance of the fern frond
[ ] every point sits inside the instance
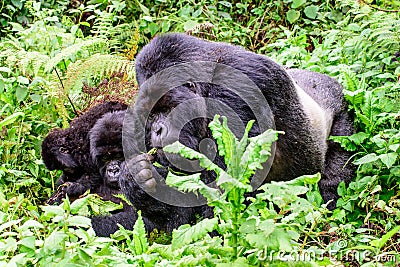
(103, 25)
(71, 51)
(96, 66)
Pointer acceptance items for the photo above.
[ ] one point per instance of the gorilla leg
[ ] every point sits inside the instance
(337, 166)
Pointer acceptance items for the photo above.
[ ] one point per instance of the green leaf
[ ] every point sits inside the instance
(11, 119)
(186, 234)
(9, 224)
(36, 98)
(358, 138)
(78, 204)
(140, 243)
(388, 159)
(311, 11)
(188, 25)
(54, 242)
(367, 159)
(153, 28)
(144, 9)
(178, 148)
(192, 183)
(21, 92)
(292, 15)
(225, 139)
(22, 80)
(298, 3)
(79, 221)
(31, 224)
(257, 152)
(379, 243)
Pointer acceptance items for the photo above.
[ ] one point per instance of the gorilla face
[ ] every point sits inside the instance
(111, 173)
(180, 115)
(57, 153)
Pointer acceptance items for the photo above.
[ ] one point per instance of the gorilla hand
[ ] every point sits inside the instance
(138, 173)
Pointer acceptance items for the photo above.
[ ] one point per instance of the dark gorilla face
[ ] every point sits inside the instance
(111, 173)
(180, 115)
(57, 154)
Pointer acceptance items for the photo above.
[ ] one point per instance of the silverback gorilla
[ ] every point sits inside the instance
(307, 106)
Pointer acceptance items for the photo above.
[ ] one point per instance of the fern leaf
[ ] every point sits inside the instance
(72, 50)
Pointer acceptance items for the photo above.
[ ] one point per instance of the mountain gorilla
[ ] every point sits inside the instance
(307, 106)
(69, 150)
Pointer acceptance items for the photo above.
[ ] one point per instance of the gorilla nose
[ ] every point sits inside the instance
(159, 129)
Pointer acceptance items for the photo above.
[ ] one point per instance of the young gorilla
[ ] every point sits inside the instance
(69, 150)
(307, 106)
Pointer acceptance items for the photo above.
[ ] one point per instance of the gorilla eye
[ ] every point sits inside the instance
(191, 86)
(63, 150)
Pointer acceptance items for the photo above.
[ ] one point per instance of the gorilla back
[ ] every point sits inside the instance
(307, 106)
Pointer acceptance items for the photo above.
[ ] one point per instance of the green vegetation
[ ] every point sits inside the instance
(53, 56)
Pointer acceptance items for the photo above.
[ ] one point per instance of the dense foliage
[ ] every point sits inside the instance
(54, 59)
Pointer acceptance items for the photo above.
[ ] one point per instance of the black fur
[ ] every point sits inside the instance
(298, 152)
(69, 150)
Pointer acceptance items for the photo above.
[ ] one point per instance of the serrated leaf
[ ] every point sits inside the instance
(292, 15)
(358, 138)
(256, 153)
(192, 183)
(178, 148)
(187, 234)
(224, 137)
(140, 243)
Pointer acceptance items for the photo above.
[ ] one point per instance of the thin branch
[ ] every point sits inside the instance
(378, 8)
(69, 99)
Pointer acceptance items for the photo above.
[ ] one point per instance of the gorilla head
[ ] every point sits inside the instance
(68, 149)
(171, 120)
(57, 151)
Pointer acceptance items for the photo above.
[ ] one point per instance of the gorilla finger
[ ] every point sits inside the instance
(142, 157)
(144, 175)
(150, 185)
(141, 165)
